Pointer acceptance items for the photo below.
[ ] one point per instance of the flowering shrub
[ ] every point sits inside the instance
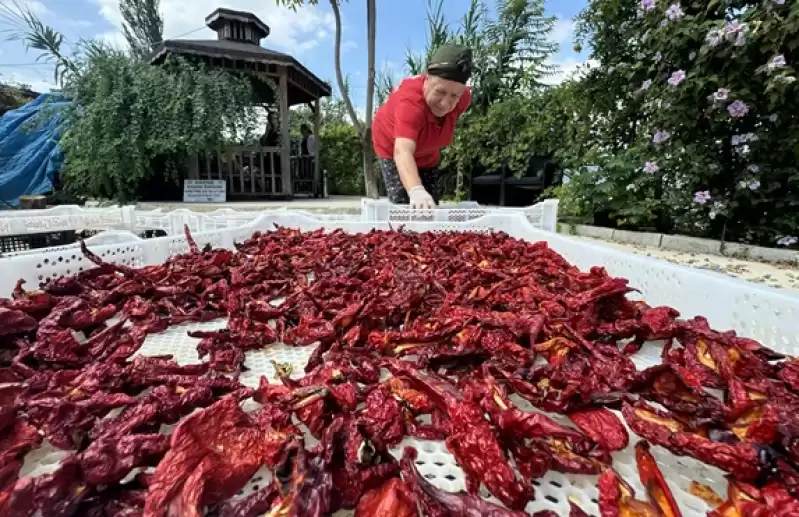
(697, 103)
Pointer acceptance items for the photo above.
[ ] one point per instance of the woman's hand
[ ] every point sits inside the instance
(420, 198)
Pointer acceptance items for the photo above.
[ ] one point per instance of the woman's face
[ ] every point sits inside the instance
(442, 95)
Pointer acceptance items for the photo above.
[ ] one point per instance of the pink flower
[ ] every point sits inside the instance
(702, 197)
(661, 136)
(651, 167)
(738, 109)
(674, 12)
(677, 77)
(777, 61)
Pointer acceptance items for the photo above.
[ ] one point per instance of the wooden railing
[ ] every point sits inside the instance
(302, 176)
(255, 171)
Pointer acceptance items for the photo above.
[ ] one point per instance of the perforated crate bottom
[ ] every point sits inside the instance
(553, 491)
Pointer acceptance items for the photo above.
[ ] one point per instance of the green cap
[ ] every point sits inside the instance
(451, 61)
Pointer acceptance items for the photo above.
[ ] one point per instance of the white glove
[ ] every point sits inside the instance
(420, 198)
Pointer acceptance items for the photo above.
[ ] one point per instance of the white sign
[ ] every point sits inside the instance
(204, 191)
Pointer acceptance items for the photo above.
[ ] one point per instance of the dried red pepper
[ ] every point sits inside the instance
(434, 502)
(603, 427)
(746, 500)
(393, 497)
(617, 498)
(310, 493)
(362, 463)
(477, 308)
(108, 460)
(256, 504)
(678, 390)
(15, 321)
(654, 482)
(213, 453)
(473, 441)
(660, 428)
(58, 493)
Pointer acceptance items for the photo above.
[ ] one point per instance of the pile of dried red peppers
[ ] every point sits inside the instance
(461, 321)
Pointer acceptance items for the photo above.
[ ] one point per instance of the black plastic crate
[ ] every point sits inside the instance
(34, 241)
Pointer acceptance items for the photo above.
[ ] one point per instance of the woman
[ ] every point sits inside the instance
(271, 137)
(417, 121)
(308, 142)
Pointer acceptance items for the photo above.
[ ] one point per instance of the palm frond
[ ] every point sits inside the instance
(21, 24)
(384, 84)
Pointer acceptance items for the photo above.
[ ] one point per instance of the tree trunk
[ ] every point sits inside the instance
(369, 175)
(370, 181)
(364, 129)
(342, 87)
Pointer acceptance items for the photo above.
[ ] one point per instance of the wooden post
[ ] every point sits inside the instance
(285, 151)
(317, 176)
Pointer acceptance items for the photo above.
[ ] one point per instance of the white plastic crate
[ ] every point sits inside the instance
(543, 215)
(152, 220)
(21, 223)
(109, 238)
(766, 314)
(173, 222)
(63, 218)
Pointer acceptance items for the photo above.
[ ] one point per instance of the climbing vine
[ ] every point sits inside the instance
(130, 121)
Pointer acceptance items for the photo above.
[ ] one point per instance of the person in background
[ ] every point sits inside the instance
(308, 142)
(271, 137)
(417, 121)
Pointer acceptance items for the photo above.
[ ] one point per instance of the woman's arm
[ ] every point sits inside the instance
(409, 174)
(406, 163)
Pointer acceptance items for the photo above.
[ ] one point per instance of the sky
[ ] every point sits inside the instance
(307, 34)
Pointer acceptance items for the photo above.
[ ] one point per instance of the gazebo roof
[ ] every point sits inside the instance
(216, 19)
(238, 41)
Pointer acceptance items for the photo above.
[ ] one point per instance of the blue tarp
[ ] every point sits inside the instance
(29, 153)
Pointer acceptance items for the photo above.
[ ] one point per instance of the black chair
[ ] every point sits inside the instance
(541, 173)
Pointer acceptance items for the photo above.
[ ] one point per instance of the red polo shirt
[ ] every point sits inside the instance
(405, 114)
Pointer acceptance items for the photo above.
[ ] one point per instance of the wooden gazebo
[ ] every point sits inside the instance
(268, 168)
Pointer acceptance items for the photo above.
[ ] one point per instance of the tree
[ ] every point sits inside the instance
(364, 128)
(693, 107)
(143, 26)
(136, 122)
(130, 121)
(332, 111)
